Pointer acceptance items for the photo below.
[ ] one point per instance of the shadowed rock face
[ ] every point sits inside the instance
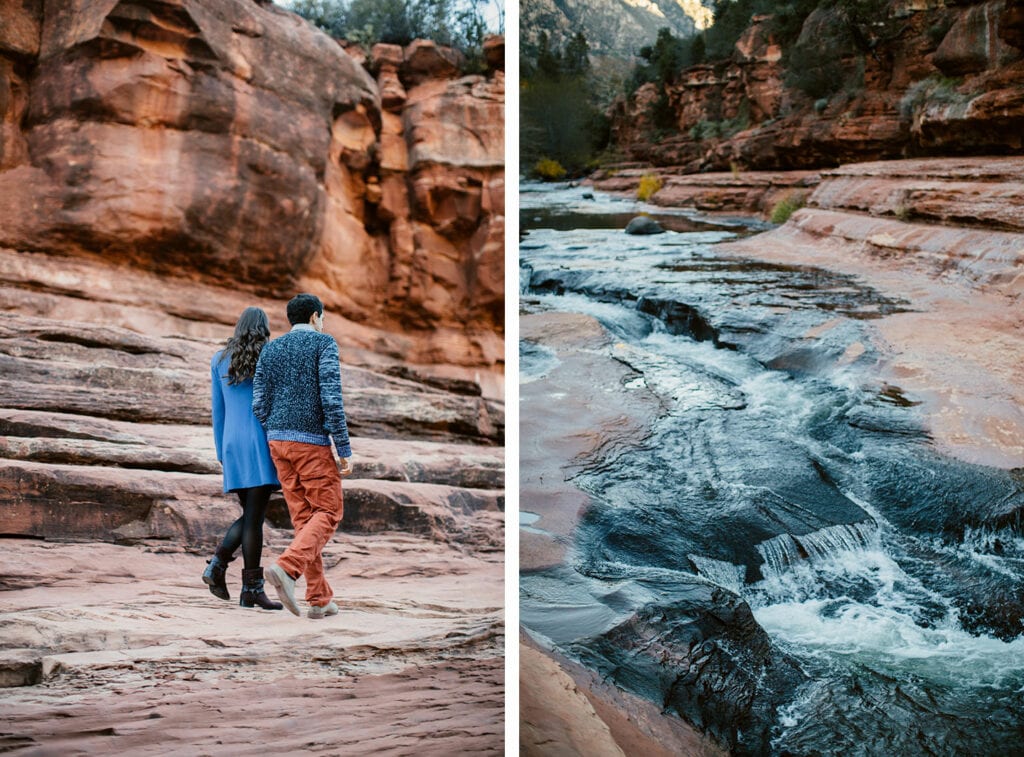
(704, 646)
(235, 141)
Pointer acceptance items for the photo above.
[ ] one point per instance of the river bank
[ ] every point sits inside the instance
(789, 488)
(946, 234)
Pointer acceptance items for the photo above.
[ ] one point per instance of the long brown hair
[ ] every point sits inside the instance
(251, 332)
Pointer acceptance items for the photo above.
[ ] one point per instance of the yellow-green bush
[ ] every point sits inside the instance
(787, 206)
(549, 170)
(649, 185)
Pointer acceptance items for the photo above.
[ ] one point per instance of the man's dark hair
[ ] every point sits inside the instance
(302, 306)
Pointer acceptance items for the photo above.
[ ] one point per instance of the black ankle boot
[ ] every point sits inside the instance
(252, 591)
(213, 576)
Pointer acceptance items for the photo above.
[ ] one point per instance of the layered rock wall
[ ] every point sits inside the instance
(946, 235)
(233, 143)
(927, 80)
(165, 164)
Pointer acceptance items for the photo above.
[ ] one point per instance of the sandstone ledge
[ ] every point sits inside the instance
(745, 192)
(959, 346)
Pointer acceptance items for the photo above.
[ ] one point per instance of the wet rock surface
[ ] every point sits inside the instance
(703, 646)
(641, 225)
(789, 481)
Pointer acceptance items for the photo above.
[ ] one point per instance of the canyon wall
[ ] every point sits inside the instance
(928, 78)
(165, 165)
(234, 144)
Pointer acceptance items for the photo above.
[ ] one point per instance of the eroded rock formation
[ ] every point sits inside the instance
(931, 79)
(947, 234)
(235, 143)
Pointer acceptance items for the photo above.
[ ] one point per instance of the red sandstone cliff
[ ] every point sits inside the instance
(164, 164)
(233, 143)
(933, 79)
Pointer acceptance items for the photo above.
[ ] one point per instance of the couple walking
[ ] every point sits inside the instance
(276, 406)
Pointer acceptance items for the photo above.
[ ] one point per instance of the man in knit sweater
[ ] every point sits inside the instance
(297, 397)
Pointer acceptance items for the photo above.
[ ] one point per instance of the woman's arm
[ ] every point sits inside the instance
(217, 400)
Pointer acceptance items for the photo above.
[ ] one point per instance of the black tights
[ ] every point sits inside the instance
(247, 531)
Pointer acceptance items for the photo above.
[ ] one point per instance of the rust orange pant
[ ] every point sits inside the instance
(311, 485)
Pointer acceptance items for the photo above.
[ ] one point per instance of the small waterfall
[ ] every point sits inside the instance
(725, 574)
(827, 541)
(779, 553)
(783, 551)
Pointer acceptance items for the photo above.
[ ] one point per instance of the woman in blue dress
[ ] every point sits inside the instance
(245, 457)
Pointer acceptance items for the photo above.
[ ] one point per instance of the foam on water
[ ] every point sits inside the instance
(584, 200)
(633, 258)
(683, 388)
(851, 600)
(979, 545)
(888, 640)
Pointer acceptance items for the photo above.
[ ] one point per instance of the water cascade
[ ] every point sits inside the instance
(781, 535)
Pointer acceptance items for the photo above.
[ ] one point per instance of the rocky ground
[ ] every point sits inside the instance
(111, 499)
(946, 235)
(566, 709)
(120, 649)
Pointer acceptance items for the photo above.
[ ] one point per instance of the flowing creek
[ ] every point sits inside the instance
(780, 557)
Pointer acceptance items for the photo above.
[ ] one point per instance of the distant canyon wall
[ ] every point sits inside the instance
(929, 79)
(612, 27)
(232, 143)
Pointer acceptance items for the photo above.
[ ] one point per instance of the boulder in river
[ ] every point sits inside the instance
(644, 225)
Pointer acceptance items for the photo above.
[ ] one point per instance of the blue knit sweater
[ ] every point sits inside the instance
(296, 392)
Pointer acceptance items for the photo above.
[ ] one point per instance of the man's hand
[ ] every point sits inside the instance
(345, 466)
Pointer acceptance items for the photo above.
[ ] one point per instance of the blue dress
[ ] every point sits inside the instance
(241, 442)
